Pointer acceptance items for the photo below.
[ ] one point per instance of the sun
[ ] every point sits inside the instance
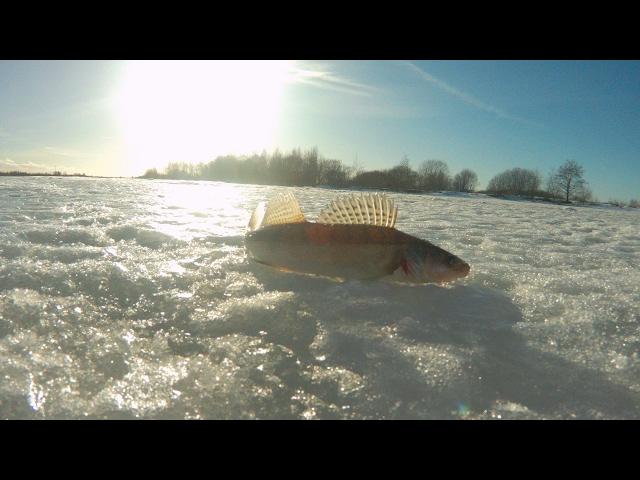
(193, 111)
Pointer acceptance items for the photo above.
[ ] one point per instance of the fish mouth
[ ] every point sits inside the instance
(464, 269)
(460, 270)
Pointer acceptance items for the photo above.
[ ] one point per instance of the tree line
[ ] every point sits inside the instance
(55, 173)
(565, 183)
(309, 168)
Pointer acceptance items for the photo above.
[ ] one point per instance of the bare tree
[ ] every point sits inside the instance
(568, 180)
(516, 181)
(310, 162)
(332, 172)
(151, 173)
(465, 181)
(402, 176)
(433, 175)
(583, 194)
(553, 187)
(356, 167)
(373, 179)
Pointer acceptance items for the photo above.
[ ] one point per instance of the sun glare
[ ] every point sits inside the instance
(193, 111)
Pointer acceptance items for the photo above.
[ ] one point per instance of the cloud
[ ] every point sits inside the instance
(31, 167)
(65, 152)
(49, 158)
(328, 80)
(12, 164)
(465, 97)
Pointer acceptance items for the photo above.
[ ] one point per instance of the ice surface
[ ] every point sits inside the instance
(135, 299)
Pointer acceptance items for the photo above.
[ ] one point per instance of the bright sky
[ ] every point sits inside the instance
(119, 118)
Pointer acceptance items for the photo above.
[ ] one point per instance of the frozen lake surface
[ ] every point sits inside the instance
(135, 299)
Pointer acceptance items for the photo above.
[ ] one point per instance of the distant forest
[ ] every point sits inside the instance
(56, 173)
(309, 168)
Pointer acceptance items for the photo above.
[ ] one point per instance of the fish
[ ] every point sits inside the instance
(354, 238)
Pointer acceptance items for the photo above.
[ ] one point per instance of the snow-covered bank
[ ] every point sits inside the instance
(133, 298)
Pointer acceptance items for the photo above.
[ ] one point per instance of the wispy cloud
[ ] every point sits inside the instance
(465, 97)
(48, 158)
(325, 79)
(66, 152)
(12, 164)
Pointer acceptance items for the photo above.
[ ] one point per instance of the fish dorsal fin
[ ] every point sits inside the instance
(282, 208)
(369, 209)
(257, 216)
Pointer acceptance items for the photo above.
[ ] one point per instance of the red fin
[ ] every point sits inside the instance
(405, 266)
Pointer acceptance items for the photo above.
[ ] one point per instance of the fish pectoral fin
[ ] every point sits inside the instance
(369, 209)
(273, 265)
(408, 270)
(282, 208)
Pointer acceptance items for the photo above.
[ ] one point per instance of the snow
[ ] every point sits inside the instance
(124, 298)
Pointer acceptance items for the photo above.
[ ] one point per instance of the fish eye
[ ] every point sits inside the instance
(452, 260)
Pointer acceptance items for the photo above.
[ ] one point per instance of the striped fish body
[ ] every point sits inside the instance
(354, 239)
(343, 251)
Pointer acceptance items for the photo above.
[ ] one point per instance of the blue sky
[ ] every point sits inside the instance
(483, 115)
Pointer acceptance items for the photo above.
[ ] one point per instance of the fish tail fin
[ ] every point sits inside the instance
(283, 208)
